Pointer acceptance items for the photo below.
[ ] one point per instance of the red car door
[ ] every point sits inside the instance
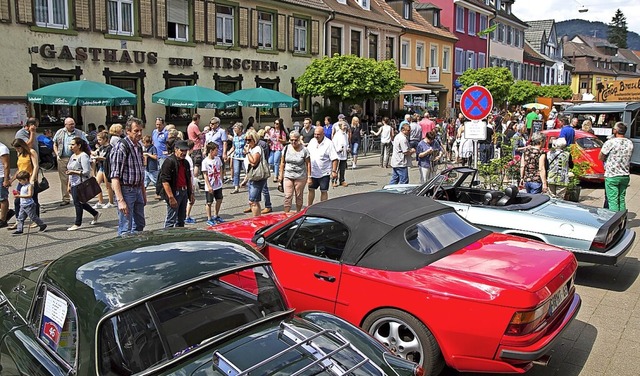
(306, 258)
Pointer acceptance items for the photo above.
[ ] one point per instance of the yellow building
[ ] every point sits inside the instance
(146, 46)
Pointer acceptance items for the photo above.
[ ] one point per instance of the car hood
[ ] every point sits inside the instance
(244, 229)
(508, 261)
(566, 211)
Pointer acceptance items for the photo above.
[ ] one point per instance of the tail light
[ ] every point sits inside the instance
(418, 371)
(525, 322)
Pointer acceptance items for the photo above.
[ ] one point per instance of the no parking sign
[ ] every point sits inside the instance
(476, 102)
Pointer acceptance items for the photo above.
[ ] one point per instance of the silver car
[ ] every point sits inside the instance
(594, 235)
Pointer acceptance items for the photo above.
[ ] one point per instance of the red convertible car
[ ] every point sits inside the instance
(588, 149)
(429, 285)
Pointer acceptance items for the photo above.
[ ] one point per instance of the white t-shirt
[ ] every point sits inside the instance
(213, 169)
(4, 150)
(385, 134)
(321, 155)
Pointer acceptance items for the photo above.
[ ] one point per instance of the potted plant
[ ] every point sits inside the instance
(577, 171)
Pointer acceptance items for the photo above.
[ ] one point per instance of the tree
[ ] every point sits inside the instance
(556, 91)
(522, 92)
(496, 80)
(618, 30)
(350, 78)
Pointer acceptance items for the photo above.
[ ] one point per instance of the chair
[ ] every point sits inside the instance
(491, 198)
(510, 195)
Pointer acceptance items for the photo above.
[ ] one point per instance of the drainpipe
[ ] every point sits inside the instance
(399, 55)
(327, 43)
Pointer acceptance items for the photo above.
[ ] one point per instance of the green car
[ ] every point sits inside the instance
(172, 302)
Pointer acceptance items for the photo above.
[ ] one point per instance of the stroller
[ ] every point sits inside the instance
(48, 161)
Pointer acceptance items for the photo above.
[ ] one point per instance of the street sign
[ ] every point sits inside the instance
(476, 102)
(475, 130)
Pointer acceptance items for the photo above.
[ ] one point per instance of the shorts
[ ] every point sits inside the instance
(196, 155)
(217, 195)
(322, 182)
(255, 190)
(4, 193)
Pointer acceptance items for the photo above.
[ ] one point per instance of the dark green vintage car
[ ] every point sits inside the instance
(172, 302)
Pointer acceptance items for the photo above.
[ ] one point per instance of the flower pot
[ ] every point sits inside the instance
(573, 194)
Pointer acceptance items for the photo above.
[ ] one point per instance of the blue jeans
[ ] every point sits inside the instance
(237, 169)
(400, 175)
(266, 194)
(533, 187)
(134, 222)
(274, 162)
(177, 215)
(150, 176)
(256, 188)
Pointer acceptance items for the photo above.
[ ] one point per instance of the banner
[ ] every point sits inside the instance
(620, 91)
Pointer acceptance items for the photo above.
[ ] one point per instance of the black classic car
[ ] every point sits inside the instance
(179, 302)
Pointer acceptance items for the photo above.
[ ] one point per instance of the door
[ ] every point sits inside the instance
(306, 258)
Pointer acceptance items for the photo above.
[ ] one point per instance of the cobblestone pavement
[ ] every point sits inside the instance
(603, 340)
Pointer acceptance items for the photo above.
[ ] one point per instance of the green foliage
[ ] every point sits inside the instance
(350, 78)
(571, 28)
(579, 168)
(522, 92)
(556, 91)
(618, 30)
(496, 79)
(499, 172)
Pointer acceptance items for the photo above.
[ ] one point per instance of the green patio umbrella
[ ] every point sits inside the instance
(193, 97)
(82, 93)
(263, 98)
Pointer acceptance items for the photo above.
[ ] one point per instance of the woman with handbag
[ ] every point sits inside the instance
(295, 168)
(27, 161)
(79, 170)
(258, 171)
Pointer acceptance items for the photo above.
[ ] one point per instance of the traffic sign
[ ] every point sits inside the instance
(476, 102)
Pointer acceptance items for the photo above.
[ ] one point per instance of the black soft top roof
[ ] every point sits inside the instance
(372, 216)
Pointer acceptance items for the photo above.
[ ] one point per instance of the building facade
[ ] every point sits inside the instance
(542, 36)
(506, 46)
(145, 46)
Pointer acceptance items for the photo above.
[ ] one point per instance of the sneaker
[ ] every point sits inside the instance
(95, 218)
(73, 228)
(353, 166)
(266, 210)
(219, 220)
(212, 222)
(16, 232)
(43, 227)
(190, 221)
(108, 205)
(98, 206)
(33, 225)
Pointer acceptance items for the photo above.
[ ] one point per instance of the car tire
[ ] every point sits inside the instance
(394, 328)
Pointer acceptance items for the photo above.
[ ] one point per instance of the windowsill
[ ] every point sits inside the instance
(406, 68)
(301, 54)
(460, 31)
(124, 37)
(179, 43)
(226, 47)
(268, 52)
(50, 30)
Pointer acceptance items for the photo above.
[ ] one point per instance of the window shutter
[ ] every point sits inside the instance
(82, 15)
(254, 28)
(5, 14)
(243, 26)
(24, 12)
(315, 37)
(100, 15)
(146, 18)
(282, 32)
(161, 22)
(291, 32)
(211, 22)
(198, 25)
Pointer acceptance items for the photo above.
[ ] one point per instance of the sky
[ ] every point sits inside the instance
(561, 10)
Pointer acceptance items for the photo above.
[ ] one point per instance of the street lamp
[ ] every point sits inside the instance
(582, 8)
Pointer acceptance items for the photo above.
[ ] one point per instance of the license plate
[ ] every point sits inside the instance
(558, 298)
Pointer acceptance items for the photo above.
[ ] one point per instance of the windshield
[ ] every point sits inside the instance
(178, 321)
(436, 233)
(589, 143)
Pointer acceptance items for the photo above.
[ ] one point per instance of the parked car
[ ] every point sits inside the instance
(589, 147)
(429, 285)
(179, 302)
(594, 235)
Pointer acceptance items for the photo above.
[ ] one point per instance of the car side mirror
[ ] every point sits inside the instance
(475, 183)
(260, 242)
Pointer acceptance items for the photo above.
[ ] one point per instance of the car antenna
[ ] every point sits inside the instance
(20, 287)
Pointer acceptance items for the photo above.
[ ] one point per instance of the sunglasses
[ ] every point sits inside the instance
(159, 119)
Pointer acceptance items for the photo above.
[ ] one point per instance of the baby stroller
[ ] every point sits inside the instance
(48, 161)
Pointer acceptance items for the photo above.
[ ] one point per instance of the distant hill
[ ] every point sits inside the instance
(598, 29)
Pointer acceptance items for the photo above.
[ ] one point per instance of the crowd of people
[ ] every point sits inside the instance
(173, 166)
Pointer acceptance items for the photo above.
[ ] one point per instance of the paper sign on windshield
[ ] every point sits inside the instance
(55, 313)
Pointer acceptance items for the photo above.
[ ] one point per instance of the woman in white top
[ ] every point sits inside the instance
(79, 170)
(341, 143)
(386, 135)
(466, 147)
(254, 155)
